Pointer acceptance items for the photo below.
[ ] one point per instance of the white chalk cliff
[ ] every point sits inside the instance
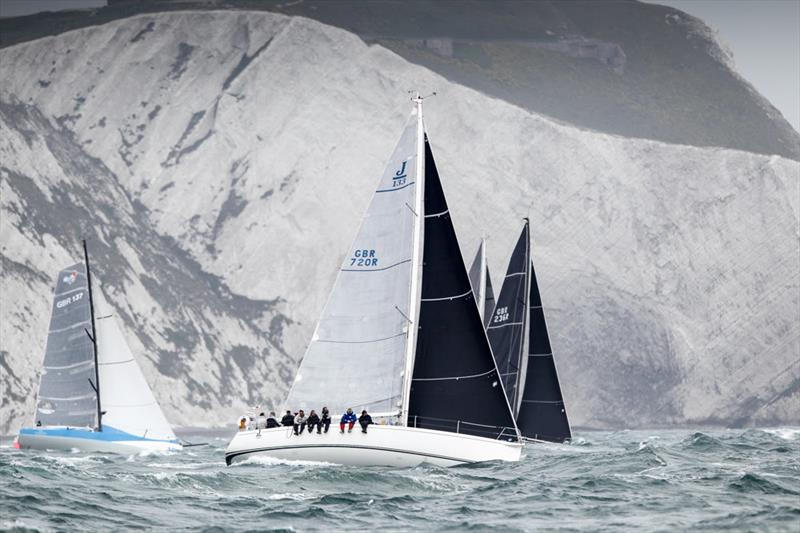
(219, 161)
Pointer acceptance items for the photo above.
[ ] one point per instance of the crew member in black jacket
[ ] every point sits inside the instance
(288, 419)
(313, 421)
(364, 420)
(271, 422)
(325, 421)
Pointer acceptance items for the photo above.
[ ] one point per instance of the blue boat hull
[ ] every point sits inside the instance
(110, 440)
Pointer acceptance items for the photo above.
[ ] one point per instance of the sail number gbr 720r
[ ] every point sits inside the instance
(364, 258)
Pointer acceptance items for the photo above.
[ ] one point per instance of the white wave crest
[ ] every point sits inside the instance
(785, 433)
(271, 461)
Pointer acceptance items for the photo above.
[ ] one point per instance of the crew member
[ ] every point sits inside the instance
(271, 421)
(288, 419)
(313, 421)
(364, 420)
(348, 418)
(325, 421)
(299, 422)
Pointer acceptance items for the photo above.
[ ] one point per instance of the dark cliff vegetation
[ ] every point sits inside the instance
(622, 67)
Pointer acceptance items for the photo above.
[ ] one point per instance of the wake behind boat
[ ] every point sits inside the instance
(402, 337)
(92, 395)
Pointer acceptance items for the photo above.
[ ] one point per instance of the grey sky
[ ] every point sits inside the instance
(764, 36)
(17, 8)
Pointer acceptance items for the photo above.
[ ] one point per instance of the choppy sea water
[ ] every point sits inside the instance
(630, 480)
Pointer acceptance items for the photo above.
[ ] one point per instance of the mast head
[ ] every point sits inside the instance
(418, 98)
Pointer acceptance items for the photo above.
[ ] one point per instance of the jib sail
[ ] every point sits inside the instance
(542, 413)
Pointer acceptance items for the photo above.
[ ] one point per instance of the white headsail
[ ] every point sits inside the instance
(358, 354)
(125, 396)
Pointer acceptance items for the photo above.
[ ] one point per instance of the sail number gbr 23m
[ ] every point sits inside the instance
(364, 258)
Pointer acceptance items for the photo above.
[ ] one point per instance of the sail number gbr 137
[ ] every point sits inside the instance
(68, 300)
(364, 257)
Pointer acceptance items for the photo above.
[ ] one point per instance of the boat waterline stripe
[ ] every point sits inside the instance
(504, 325)
(229, 457)
(108, 434)
(541, 401)
(117, 362)
(446, 297)
(433, 215)
(401, 334)
(455, 377)
(375, 269)
(396, 188)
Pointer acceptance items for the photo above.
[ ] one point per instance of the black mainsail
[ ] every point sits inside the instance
(506, 330)
(455, 384)
(542, 414)
(66, 396)
(521, 347)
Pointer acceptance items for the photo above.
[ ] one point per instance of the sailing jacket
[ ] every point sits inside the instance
(365, 420)
(348, 417)
(272, 423)
(299, 420)
(287, 419)
(326, 415)
(313, 419)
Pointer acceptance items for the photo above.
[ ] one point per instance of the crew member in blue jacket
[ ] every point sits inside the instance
(348, 418)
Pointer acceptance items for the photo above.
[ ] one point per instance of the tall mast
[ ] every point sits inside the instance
(482, 303)
(93, 337)
(523, 355)
(416, 260)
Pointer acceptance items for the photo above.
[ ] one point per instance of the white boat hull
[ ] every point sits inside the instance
(398, 446)
(87, 441)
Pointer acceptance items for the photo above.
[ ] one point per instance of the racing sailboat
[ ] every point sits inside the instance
(92, 394)
(482, 284)
(401, 337)
(521, 346)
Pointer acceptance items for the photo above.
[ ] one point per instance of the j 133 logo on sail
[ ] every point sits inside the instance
(399, 177)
